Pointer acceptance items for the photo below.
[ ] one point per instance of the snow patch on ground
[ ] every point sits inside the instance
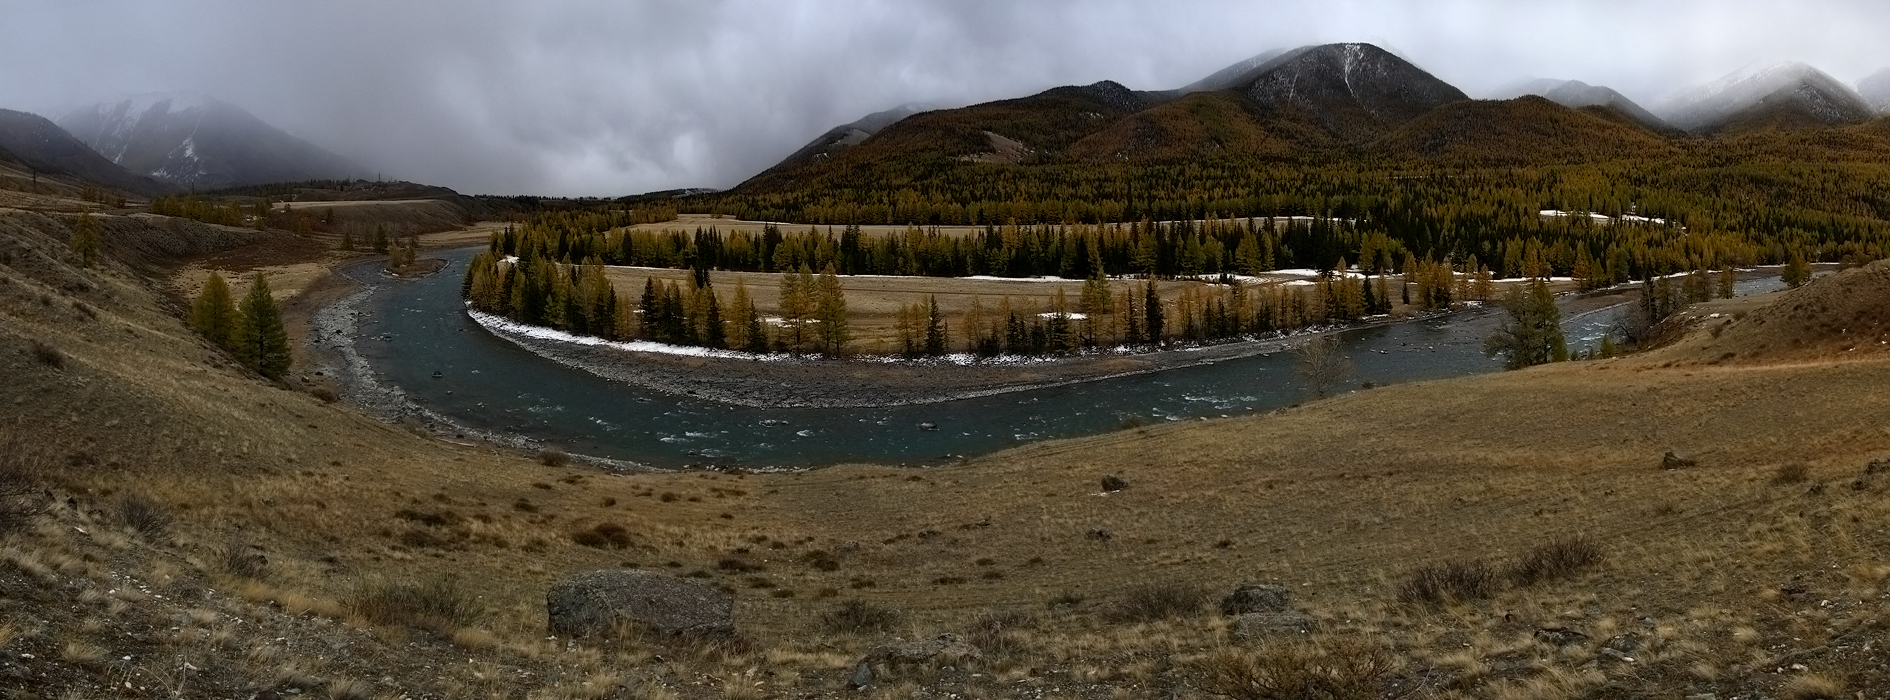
(1604, 218)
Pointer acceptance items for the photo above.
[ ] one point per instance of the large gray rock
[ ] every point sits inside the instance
(1257, 598)
(600, 603)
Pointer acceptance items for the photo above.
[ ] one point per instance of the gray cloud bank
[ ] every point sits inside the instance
(606, 98)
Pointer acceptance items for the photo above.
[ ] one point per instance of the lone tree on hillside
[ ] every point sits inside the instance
(1532, 335)
(1322, 364)
(85, 239)
(262, 343)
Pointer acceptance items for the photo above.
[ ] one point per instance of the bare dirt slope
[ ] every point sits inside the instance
(1844, 316)
(1762, 568)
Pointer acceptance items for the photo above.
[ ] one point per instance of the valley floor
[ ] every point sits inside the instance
(1762, 569)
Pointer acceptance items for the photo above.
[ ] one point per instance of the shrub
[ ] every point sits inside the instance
(436, 604)
(553, 456)
(1451, 581)
(144, 516)
(603, 536)
(823, 560)
(1557, 559)
(1794, 473)
(244, 561)
(20, 498)
(1159, 601)
(1292, 670)
(860, 617)
(996, 633)
(1812, 687)
(48, 355)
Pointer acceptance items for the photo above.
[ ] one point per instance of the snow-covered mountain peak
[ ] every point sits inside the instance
(1787, 85)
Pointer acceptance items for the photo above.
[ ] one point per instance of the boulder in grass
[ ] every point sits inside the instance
(598, 604)
(937, 652)
(1257, 598)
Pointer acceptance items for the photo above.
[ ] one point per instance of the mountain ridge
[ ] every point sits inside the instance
(1576, 94)
(197, 141)
(1331, 103)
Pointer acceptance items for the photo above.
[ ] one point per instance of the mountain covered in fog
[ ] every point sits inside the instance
(1876, 90)
(852, 133)
(40, 145)
(1783, 95)
(200, 142)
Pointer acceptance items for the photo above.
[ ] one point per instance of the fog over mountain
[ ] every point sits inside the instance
(607, 98)
(198, 141)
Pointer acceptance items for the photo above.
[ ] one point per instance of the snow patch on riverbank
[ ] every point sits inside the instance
(506, 326)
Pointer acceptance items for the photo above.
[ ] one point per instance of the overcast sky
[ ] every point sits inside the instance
(626, 96)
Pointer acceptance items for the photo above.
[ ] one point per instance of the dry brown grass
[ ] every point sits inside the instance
(1342, 669)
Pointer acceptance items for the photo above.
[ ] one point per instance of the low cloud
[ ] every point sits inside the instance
(608, 98)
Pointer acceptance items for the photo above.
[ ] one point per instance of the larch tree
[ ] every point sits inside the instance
(830, 308)
(797, 297)
(263, 343)
(85, 239)
(213, 313)
(1098, 307)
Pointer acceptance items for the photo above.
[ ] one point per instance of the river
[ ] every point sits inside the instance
(416, 336)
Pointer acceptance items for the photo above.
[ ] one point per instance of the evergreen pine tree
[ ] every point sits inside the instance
(1152, 313)
(935, 342)
(1797, 271)
(647, 321)
(1532, 334)
(716, 335)
(263, 343)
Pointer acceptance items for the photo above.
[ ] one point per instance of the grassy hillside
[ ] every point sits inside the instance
(170, 469)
